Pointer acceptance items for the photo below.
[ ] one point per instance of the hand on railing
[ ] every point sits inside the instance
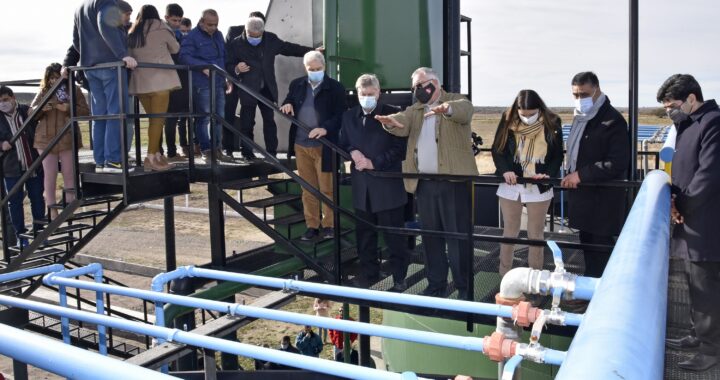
(130, 62)
(571, 181)
(287, 109)
(317, 133)
(510, 178)
(6, 146)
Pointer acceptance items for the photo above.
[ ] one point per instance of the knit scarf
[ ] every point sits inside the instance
(531, 147)
(577, 130)
(22, 144)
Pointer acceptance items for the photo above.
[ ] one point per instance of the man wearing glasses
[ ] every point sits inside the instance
(439, 142)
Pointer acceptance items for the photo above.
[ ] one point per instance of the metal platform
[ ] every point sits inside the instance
(678, 324)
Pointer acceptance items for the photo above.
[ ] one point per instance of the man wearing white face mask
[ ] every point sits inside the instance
(380, 201)
(318, 102)
(598, 150)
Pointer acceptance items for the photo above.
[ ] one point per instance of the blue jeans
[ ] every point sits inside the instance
(34, 187)
(201, 101)
(105, 100)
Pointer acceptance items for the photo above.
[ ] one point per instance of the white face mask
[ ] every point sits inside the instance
(583, 105)
(530, 120)
(284, 346)
(367, 102)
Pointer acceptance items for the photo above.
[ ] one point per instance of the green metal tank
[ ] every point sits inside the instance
(388, 38)
(402, 356)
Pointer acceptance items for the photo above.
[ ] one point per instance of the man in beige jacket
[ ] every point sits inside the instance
(439, 142)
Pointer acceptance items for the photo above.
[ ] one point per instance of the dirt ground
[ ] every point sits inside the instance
(137, 236)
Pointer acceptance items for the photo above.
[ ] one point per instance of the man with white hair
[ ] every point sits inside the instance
(251, 57)
(377, 200)
(439, 142)
(318, 102)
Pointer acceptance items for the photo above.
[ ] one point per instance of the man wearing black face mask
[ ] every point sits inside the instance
(695, 207)
(439, 142)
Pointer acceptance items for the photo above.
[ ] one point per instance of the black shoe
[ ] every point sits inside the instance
(249, 157)
(687, 342)
(462, 294)
(433, 292)
(399, 287)
(699, 363)
(310, 234)
(328, 233)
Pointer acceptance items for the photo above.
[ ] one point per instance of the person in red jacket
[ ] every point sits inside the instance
(338, 337)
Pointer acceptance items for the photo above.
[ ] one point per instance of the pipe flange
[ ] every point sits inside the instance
(508, 301)
(496, 347)
(524, 314)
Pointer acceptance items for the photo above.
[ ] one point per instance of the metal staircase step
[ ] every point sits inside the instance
(43, 254)
(288, 220)
(13, 285)
(272, 201)
(52, 242)
(81, 215)
(62, 230)
(245, 184)
(91, 201)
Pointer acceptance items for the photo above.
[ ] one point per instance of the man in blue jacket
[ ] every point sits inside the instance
(98, 36)
(376, 200)
(695, 207)
(308, 342)
(204, 45)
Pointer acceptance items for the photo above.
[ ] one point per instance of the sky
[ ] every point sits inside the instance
(516, 44)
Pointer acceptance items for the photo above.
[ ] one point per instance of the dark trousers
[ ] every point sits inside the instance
(367, 242)
(230, 139)
(173, 127)
(247, 122)
(704, 282)
(445, 206)
(34, 187)
(595, 261)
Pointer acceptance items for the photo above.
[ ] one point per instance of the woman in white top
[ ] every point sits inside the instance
(528, 143)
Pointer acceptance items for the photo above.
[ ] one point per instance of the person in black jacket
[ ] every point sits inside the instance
(528, 143)
(695, 208)
(598, 150)
(179, 99)
(230, 140)
(377, 200)
(251, 57)
(318, 102)
(17, 159)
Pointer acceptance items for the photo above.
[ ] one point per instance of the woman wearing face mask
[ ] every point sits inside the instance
(528, 143)
(151, 41)
(51, 120)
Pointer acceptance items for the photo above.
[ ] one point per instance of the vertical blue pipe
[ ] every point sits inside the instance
(623, 332)
(64, 322)
(100, 307)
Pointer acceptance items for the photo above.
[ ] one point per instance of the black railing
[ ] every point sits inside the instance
(339, 156)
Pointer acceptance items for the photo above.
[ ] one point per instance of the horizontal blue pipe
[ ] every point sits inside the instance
(364, 294)
(623, 334)
(424, 337)
(211, 343)
(17, 275)
(554, 357)
(585, 287)
(68, 361)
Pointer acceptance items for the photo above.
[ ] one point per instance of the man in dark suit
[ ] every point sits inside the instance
(598, 151)
(379, 201)
(231, 142)
(251, 57)
(695, 208)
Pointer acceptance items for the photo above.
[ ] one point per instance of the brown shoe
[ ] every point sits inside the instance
(176, 158)
(152, 163)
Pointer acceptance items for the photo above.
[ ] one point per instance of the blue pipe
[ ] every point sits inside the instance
(68, 361)
(96, 271)
(424, 337)
(17, 275)
(364, 294)
(212, 343)
(510, 366)
(623, 334)
(585, 287)
(554, 357)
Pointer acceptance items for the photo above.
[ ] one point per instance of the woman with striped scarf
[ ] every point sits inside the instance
(528, 144)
